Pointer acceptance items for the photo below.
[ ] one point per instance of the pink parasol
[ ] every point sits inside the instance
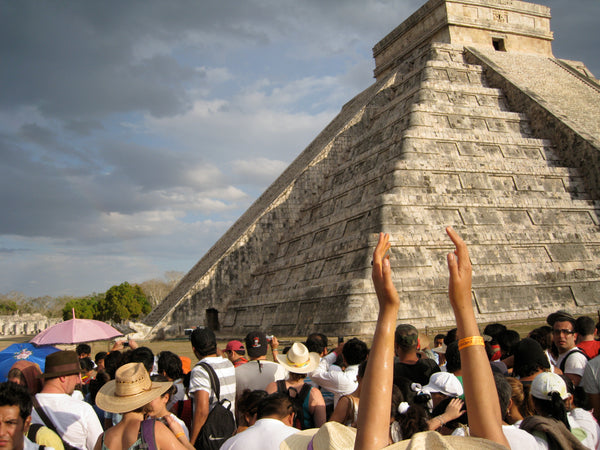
(74, 331)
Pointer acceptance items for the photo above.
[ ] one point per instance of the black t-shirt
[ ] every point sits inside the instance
(415, 373)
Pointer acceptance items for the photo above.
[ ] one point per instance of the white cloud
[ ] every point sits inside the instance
(258, 171)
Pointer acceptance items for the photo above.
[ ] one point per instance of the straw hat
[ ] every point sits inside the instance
(334, 436)
(299, 360)
(331, 436)
(131, 389)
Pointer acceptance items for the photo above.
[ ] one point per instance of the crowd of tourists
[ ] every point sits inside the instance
(464, 388)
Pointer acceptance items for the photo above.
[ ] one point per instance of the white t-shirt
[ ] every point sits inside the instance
(75, 421)
(179, 394)
(257, 374)
(575, 364)
(584, 427)
(200, 380)
(265, 434)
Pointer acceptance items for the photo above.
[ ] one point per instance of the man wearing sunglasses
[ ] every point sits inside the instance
(571, 360)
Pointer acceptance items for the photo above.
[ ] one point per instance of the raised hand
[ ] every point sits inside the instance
(382, 273)
(459, 266)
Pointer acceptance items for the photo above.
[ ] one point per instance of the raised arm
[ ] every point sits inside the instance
(482, 401)
(483, 406)
(376, 392)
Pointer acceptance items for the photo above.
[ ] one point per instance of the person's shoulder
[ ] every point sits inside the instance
(273, 366)
(429, 363)
(518, 438)
(577, 355)
(198, 371)
(594, 362)
(218, 362)
(163, 434)
(580, 414)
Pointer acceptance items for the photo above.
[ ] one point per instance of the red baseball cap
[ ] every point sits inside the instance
(234, 346)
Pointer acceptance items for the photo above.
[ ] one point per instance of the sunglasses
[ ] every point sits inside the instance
(559, 332)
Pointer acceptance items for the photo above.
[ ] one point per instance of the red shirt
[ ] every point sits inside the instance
(239, 362)
(590, 348)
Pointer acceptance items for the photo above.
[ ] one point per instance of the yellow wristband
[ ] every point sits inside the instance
(469, 341)
(180, 434)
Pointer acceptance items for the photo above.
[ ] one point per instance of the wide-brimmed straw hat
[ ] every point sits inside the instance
(131, 389)
(334, 436)
(331, 436)
(299, 360)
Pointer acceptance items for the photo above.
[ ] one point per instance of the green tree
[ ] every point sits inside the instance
(8, 307)
(123, 302)
(85, 308)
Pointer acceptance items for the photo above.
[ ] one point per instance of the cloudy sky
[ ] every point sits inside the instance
(134, 133)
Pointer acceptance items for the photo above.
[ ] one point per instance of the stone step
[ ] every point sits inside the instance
(461, 87)
(424, 235)
(412, 226)
(533, 265)
(426, 134)
(456, 73)
(526, 177)
(409, 197)
(459, 110)
(465, 95)
(453, 65)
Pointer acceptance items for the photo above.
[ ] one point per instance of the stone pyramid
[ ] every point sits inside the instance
(471, 122)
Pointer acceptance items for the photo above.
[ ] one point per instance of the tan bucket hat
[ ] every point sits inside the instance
(131, 389)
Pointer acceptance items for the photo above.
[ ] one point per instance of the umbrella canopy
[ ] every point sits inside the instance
(23, 352)
(74, 331)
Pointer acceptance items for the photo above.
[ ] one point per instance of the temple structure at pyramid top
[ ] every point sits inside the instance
(511, 26)
(471, 122)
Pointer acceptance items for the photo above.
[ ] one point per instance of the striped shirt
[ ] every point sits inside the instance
(200, 380)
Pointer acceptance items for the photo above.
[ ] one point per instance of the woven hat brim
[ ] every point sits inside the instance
(431, 440)
(108, 401)
(298, 440)
(331, 436)
(312, 365)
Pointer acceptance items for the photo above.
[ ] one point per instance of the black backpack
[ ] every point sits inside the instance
(297, 399)
(563, 363)
(220, 423)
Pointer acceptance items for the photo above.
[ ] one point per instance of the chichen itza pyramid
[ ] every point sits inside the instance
(471, 122)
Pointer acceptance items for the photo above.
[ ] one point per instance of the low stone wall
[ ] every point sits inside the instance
(25, 324)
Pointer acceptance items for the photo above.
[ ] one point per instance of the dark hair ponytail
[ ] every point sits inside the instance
(413, 421)
(554, 407)
(558, 409)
